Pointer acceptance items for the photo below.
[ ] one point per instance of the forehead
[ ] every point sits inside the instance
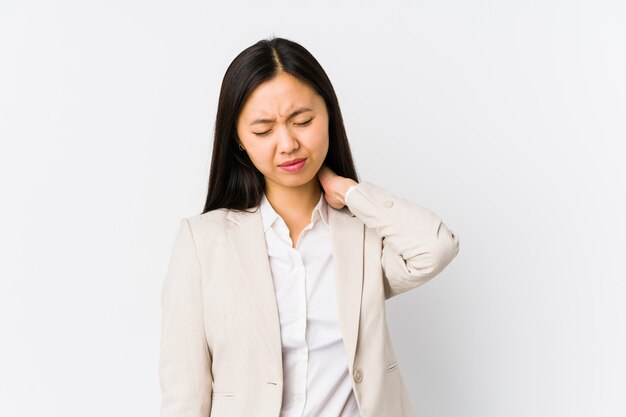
(280, 95)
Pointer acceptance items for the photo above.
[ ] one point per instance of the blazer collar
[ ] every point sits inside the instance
(270, 215)
(247, 238)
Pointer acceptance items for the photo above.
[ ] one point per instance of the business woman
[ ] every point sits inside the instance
(273, 304)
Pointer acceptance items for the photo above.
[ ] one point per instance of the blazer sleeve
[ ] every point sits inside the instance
(185, 361)
(417, 245)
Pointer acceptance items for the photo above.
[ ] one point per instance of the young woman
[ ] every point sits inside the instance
(274, 300)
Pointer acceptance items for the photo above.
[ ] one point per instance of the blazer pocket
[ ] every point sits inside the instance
(222, 394)
(224, 404)
(392, 367)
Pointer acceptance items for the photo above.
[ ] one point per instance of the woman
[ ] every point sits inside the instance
(274, 299)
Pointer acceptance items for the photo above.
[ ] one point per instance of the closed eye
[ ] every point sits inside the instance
(297, 124)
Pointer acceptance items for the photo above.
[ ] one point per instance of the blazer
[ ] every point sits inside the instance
(220, 349)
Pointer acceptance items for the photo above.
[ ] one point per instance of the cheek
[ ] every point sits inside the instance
(319, 134)
(262, 157)
(322, 139)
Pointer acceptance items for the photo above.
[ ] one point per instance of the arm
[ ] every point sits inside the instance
(185, 360)
(417, 245)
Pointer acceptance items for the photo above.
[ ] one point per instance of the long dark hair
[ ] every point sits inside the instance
(234, 181)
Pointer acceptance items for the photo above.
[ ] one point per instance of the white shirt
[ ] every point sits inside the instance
(315, 368)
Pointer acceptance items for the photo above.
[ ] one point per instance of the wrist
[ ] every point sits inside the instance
(350, 185)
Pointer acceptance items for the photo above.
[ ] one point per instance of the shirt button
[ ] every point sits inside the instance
(358, 375)
(299, 397)
(388, 203)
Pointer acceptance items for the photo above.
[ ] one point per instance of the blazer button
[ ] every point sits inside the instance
(388, 203)
(358, 375)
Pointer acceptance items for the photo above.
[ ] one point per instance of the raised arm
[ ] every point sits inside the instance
(185, 360)
(417, 245)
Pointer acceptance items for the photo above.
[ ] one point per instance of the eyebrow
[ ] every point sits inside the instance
(294, 114)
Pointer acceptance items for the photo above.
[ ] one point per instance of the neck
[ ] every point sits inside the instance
(293, 203)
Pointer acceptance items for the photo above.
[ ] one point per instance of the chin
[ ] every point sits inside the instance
(296, 180)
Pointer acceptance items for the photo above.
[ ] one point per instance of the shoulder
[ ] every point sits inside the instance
(217, 216)
(206, 225)
(215, 219)
(207, 230)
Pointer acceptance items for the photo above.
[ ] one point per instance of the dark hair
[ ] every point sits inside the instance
(234, 182)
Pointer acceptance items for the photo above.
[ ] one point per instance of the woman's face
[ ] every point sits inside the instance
(284, 119)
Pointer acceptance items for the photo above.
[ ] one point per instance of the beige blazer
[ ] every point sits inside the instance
(220, 343)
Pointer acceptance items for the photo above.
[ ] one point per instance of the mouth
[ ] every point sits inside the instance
(293, 167)
(292, 162)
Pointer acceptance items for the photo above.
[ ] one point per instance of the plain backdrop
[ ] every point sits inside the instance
(506, 118)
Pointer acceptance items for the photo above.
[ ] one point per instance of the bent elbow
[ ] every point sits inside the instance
(447, 248)
(429, 263)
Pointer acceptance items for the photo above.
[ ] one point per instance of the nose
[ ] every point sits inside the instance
(287, 141)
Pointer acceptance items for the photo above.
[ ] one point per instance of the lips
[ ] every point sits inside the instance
(293, 161)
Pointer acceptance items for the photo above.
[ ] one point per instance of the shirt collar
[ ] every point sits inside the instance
(269, 214)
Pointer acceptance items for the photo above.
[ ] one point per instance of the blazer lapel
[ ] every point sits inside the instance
(247, 239)
(347, 233)
(248, 242)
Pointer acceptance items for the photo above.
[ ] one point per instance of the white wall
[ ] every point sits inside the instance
(506, 118)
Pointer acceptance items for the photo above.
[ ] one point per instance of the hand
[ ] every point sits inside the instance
(335, 186)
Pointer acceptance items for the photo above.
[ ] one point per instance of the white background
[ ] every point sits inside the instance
(507, 118)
